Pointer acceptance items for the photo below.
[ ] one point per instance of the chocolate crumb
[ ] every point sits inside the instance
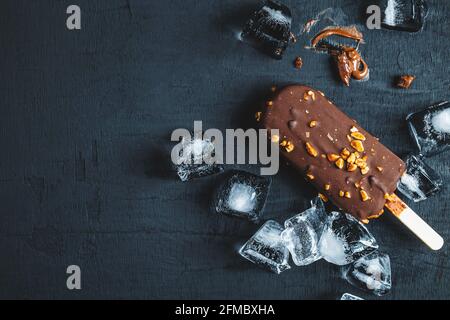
(298, 63)
(405, 81)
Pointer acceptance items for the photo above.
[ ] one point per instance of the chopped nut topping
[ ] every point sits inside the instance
(321, 93)
(309, 94)
(351, 167)
(298, 63)
(380, 169)
(323, 155)
(339, 163)
(311, 150)
(357, 145)
(269, 103)
(327, 187)
(358, 135)
(323, 197)
(258, 116)
(353, 129)
(289, 147)
(365, 221)
(347, 195)
(352, 158)
(365, 170)
(275, 138)
(364, 195)
(349, 138)
(312, 124)
(307, 134)
(332, 157)
(345, 153)
(341, 193)
(310, 176)
(361, 163)
(357, 185)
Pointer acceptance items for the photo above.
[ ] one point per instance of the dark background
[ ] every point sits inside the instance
(85, 123)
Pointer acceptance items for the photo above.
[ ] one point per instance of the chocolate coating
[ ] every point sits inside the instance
(292, 110)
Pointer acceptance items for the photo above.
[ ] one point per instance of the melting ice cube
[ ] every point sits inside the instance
(265, 248)
(269, 28)
(370, 273)
(431, 128)
(348, 296)
(302, 233)
(419, 181)
(403, 15)
(345, 239)
(242, 194)
(193, 160)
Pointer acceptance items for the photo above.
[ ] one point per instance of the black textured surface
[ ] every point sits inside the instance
(85, 122)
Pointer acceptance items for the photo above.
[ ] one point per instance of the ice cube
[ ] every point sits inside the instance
(193, 159)
(348, 296)
(265, 248)
(242, 194)
(269, 28)
(302, 233)
(419, 181)
(431, 128)
(242, 198)
(345, 239)
(403, 15)
(370, 273)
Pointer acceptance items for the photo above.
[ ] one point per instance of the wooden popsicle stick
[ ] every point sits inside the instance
(414, 223)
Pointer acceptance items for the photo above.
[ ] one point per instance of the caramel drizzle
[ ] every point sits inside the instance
(350, 63)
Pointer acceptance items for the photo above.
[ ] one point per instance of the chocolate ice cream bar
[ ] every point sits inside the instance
(344, 162)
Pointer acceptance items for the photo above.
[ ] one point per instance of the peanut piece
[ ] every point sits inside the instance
(358, 135)
(365, 170)
(351, 159)
(313, 123)
(339, 163)
(357, 145)
(310, 149)
(364, 195)
(332, 157)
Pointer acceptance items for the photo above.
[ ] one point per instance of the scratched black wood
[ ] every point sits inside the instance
(86, 117)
